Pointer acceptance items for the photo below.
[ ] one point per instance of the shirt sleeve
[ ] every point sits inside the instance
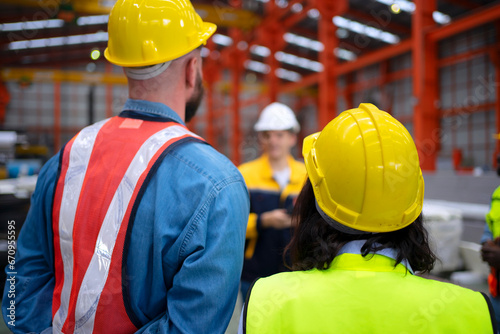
(487, 235)
(27, 304)
(205, 287)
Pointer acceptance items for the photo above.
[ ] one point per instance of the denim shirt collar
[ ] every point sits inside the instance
(154, 109)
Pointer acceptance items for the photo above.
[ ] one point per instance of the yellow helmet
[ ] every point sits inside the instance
(365, 172)
(149, 32)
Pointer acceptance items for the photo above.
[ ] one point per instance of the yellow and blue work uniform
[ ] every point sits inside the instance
(264, 247)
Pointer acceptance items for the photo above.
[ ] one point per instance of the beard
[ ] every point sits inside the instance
(194, 102)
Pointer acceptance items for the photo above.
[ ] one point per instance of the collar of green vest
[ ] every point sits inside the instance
(354, 247)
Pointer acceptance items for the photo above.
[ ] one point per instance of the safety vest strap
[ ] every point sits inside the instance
(493, 215)
(102, 171)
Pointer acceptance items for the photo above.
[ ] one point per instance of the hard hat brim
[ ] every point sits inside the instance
(207, 31)
(308, 143)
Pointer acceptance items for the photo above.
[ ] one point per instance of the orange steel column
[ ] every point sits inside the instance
(275, 42)
(270, 34)
(327, 78)
(275, 36)
(425, 114)
(57, 116)
(384, 102)
(237, 58)
(348, 91)
(211, 73)
(209, 136)
(4, 101)
(109, 93)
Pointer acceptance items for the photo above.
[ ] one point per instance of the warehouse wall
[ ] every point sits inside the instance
(467, 86)
(467, 97)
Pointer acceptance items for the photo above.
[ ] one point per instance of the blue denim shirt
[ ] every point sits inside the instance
(186, 246)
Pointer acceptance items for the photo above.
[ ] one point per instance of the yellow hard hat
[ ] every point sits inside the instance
(149, 32)
(365, 172)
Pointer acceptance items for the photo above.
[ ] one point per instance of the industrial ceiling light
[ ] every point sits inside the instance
(409, 7)
(281, 3)
(257, 66)
(342, 33)
(441, 18)
(205, 52)
(297, 7)
(32, 25)
(260, 50)
(313, 13)
(222, 40)
(59, 41)
(288, 75)
(95, 54)
(363, 29)
(92, 20)
(299, 61)
(316, 45)
(395, 8)
(303, 42)
(404, 5)
(345, 54)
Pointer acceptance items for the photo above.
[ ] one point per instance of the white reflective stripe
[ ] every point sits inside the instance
(97, 272)
(79, 157)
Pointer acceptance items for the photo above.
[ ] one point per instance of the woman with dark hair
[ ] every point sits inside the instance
(358, 241)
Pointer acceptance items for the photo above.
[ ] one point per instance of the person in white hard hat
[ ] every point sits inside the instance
(273, 180)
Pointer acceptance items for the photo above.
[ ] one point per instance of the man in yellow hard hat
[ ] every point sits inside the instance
(359, 239)
(137, 225)
(274, 180)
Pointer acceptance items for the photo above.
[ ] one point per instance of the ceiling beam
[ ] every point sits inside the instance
(223, 16)
(392, 26)
(43, 75)
(375, 57)
(464, 4)
(480, 17)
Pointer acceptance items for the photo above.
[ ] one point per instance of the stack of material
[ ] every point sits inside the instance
(445, 228)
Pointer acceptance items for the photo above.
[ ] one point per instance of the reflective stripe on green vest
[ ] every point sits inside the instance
(363, 295)
(493, 216)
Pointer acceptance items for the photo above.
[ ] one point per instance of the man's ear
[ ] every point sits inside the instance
(191, 71)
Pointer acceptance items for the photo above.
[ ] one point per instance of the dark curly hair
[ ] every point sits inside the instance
(315, 243)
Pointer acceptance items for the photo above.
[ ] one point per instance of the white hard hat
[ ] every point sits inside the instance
(276, 117)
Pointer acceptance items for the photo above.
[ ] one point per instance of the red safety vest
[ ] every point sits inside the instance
(102, 170)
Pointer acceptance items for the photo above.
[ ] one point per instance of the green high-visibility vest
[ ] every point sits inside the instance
(363, 295)
(493, 216)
